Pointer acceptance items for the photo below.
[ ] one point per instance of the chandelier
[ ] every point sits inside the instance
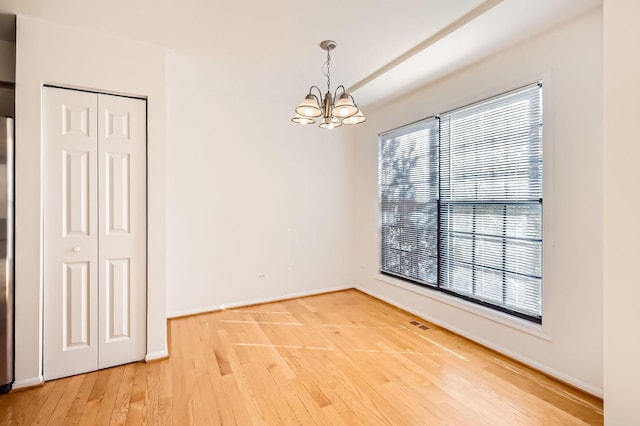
(333, 114)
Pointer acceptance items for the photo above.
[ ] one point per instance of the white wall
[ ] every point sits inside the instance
(621, 177)
(49, 53)
(249, 192)
(569, 61)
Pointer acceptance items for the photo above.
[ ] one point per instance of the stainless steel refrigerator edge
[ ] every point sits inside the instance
(6, 255)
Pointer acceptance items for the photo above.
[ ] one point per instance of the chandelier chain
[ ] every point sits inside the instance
(328, 72)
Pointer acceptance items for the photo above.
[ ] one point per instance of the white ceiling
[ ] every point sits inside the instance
(269, 49)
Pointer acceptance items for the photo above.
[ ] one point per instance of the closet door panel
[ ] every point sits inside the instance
(70, 232)
(122, 229)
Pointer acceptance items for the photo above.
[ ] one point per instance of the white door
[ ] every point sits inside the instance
(71, 231)
(94, 231)
(122, 231)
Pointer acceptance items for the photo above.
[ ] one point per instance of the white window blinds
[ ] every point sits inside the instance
(491, 201)
(461, 202)
(408, 201)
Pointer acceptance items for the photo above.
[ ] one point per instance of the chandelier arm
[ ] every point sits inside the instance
(319, 97)
(344, 92)
(335, 94)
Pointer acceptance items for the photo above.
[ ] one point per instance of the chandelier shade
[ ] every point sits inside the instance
(355, 119)
(302, 119)
(330, 123)
(344, 106)
(309, 107)
(334, 114)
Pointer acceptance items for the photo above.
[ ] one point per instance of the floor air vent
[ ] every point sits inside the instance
(420, 326)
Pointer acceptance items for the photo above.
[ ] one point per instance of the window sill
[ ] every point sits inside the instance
(525, 326)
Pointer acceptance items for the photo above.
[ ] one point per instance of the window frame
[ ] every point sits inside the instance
(437, 286)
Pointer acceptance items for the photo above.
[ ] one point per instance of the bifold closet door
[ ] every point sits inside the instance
(70, 232)
(122, 231)
(94, 231)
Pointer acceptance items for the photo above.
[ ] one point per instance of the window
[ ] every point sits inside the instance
(461, 202)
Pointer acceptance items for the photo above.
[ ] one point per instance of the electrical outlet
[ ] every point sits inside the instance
(262, 276)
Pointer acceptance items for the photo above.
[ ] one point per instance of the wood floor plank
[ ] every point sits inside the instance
(21, 411)
(337, 358)
(123, 396)
(210, 376)
(94, 402)
(107, 404)
(240, 381)
(64, 405)
(137, 398)
(45, 412)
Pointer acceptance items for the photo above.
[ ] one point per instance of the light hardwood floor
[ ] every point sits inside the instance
(338, 358)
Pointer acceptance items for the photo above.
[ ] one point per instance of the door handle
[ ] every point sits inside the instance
(76, 249)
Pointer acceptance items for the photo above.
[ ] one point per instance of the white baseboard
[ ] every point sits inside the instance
(28, 383)
(212, 308)
(154, 356)
(519, 357)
